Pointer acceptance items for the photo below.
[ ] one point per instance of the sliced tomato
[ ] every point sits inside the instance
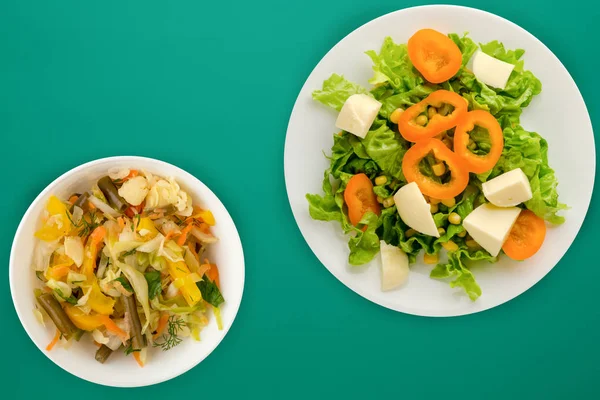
(360, 198)
(434, 55)
(526, 236)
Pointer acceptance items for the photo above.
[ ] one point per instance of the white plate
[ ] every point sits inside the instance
(558, 114)
(120, 370)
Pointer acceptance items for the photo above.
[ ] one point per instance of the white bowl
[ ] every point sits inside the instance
(120, 370)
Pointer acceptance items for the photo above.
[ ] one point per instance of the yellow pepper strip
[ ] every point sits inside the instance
(99, 302)
(58, 224)
(202, 216)
(181, 275)
(147, 224)
(89, 322)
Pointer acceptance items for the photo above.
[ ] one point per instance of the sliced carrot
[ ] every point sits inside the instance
(526, 236)
(213, 273)
(58, 271)
(121, 222)
(162, 324)
(112, 327)
(138, 359)
(204, 228)
(73, 199)
(132, 174)
(54, 341)
(91, 206)
(97, 344)
(184, 233)
(98, 235)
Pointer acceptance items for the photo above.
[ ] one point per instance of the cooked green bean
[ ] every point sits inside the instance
(58, 316)
(111, 193)
(81, 200)
(138, 341)
(103, 353)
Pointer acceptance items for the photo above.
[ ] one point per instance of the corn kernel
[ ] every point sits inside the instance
(462, 234)
(410, 232)
(449, 202)
(431, 112)
(421, 120)
(439, 169)
(434, 201)
(381, 180)
(450, 246)
(388, 202)
(395, 115)
(430, 259)
(433, 208)
(472, 244)
(379, 199)
(441, 230)
(454, 218)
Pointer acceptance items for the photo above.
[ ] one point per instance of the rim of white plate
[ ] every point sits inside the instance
(175, 370)
(357, 288)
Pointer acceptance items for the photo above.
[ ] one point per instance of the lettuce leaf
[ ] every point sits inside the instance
(336, 91)
(392, 65)
(386, 148)
(456, 268)
(466, 45)
(529, 151)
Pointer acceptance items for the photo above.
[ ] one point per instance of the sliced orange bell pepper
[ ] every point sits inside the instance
(479, 163)
(459, 174)
(434, 55)
(360, 198)
(411, 131)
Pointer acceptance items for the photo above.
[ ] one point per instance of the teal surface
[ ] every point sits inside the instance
(209, 86)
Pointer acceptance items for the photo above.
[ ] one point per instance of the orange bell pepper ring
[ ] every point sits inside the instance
(483, 119)
(360, 198)
(434, 55)
(459, 173)
(413, 132)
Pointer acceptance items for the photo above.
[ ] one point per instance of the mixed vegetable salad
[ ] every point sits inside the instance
(124, 261)
(434, 157)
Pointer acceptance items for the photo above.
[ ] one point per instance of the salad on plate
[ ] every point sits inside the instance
(433, 159)
(124, 262)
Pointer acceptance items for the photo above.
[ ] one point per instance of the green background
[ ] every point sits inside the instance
(210, 87)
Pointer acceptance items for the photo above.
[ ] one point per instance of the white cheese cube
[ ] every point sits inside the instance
(394, 266)
(489, 225)
(357, 114)
(509, 189)
(414, 210)
(490, 70)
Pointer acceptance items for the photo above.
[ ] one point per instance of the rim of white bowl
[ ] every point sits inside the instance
(176, 371)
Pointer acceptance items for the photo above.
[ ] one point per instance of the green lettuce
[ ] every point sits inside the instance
(456, 268)
(397, 84)
(336, 91)
(529, 151)
(392, 65)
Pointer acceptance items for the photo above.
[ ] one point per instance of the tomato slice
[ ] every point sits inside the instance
(434, 55)
(526, 236)
(360, 198)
